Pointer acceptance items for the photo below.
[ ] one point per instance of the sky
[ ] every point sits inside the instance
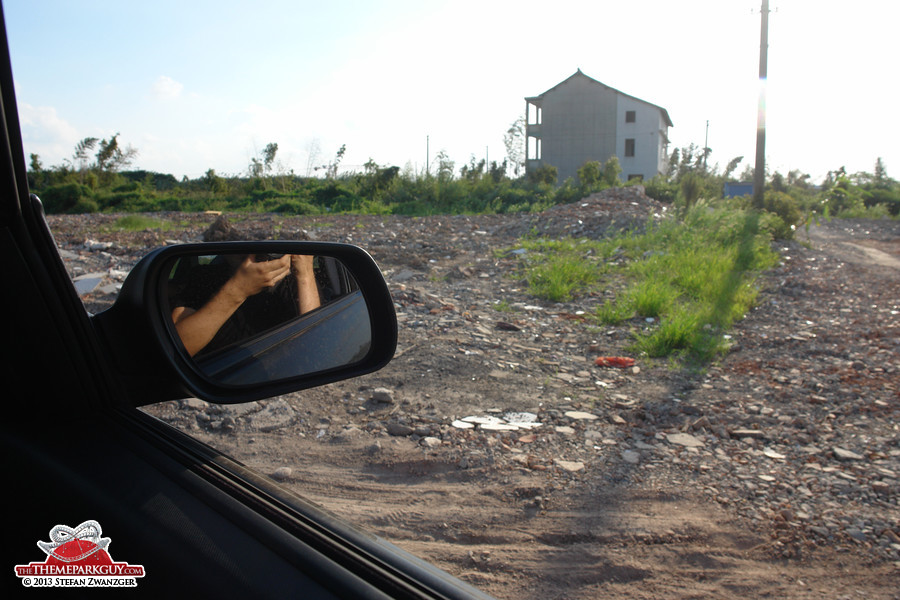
(194, 85)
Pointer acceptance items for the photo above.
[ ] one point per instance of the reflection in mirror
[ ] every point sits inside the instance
(249, 318)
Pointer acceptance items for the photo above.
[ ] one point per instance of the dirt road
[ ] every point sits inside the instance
(775, 473)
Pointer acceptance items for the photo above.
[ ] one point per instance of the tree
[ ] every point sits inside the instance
(269, 156)
(611, 171)
(255, 168)
(687, 160)
(798, 179)
(331, 170)
(313, 149)
(80, 158)
(213, 182)
(497, 171)
(81, 152)
(731, 167)
(589, 174)
(111, 158)
(474, 170)
(514, 140)
(673, 162)
(37, 171)
(881, 178)
(445, 166)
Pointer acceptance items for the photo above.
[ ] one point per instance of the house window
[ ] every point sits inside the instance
(630, 116)
(532, 114)
(534, 148)
(629, 147)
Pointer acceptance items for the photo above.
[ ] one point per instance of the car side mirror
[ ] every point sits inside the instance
(238, 321)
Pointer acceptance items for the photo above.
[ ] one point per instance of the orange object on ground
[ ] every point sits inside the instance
(614, 361)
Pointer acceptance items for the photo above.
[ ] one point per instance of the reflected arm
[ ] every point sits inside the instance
(307, 291)
(198, 327)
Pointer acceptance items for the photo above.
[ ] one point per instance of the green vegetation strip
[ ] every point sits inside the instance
(693, 277)
(139, 223)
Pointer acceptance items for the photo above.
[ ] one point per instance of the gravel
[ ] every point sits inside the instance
(795, 431)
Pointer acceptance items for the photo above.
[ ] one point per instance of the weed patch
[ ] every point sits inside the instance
(694, 278)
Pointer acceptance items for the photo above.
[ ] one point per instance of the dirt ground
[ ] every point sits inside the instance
(773, 473)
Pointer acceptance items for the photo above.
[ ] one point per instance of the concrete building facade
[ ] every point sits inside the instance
(581, 119)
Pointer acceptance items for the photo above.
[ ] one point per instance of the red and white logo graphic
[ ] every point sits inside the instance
(78, 557)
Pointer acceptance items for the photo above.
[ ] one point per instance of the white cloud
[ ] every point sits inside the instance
(166, 88)
(45, 133)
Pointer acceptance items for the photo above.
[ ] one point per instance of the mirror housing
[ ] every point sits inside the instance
(153, 364)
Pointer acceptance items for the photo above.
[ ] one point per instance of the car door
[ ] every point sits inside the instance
(74, 451)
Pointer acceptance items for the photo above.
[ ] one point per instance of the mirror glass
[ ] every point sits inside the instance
(248, 318)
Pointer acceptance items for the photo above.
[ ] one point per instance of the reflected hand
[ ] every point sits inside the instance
(252, 277)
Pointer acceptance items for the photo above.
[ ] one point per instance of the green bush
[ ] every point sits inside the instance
(67, 198)
(296, 207)
(842, 197)
(589, 174)
(691, 189)
(888, 197)
(85, 205)
(661, 189)
(546, 174)
(788, 211)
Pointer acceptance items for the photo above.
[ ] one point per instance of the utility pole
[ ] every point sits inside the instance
(759, 173)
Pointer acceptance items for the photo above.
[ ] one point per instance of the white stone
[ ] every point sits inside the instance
(684, 439)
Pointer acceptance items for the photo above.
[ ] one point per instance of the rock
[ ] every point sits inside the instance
(399, 429)
(857, 535)
(95, 246)
(631, 457)
(881, 488)
(684, 439)
(194, 404)
(570, 466)
(282, 474)
(276, 414)
(842, 454)
(748, 433)
(430, 442)
(772, 454)
(221, 230)
(581, 416)
(383, 395)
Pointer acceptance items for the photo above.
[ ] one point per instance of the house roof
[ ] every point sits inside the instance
(578, 73)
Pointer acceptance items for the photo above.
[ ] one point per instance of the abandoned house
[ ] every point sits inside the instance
(581, 119)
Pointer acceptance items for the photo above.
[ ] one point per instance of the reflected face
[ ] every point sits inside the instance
(313, 317)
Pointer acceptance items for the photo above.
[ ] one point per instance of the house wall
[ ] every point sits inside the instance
(581, 119)
(648, 130)
(579, 124)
